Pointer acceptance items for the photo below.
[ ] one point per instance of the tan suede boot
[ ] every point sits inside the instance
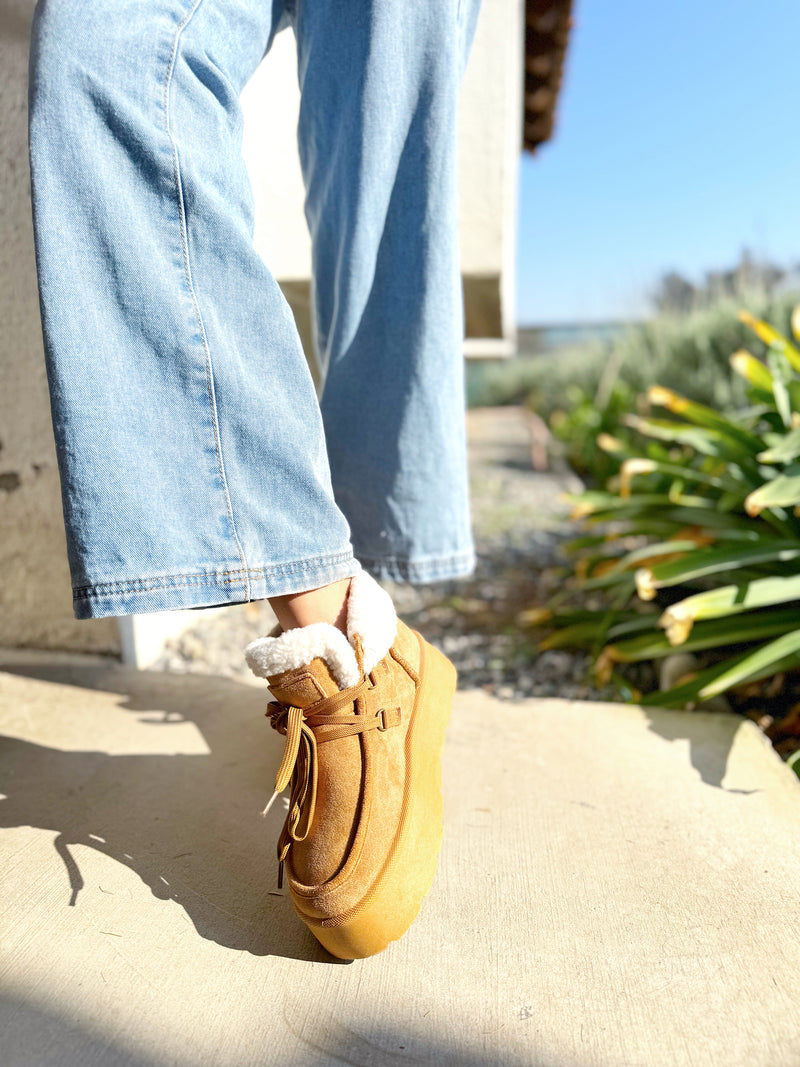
(364, 721)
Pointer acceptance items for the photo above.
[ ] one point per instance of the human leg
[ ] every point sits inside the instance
(378, 146)
(327, 604)
(377, 700)
(364, 716)
(189, 437)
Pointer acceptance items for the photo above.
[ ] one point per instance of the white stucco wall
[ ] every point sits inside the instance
(35, 598)
(490, 144)
(490, 133)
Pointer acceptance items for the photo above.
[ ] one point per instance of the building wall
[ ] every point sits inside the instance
(35, 598)
(491, 118)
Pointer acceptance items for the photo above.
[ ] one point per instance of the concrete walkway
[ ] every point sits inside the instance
(617, 887)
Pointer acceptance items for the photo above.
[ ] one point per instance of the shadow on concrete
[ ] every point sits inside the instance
(710, 736)
(36, 1035)
(188, 825)
(32, 1035)
(15, 25)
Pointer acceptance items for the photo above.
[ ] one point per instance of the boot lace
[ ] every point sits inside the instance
(329, 719)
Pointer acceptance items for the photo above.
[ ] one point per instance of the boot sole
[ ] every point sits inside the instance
(387, 911)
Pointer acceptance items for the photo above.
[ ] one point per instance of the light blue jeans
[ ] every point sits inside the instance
(197, 465)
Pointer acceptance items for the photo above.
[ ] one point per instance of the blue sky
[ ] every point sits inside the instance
(677, 143)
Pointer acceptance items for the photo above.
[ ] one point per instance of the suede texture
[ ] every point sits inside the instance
(338, 783)
(364, 794)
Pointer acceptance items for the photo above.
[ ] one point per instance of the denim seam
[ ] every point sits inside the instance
(86, 592)
(417, 561)
(190, 282)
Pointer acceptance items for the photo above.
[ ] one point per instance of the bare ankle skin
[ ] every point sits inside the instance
(327, 604)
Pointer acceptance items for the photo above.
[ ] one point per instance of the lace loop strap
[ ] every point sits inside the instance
(324, 721)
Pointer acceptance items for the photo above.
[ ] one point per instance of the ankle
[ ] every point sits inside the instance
(326, 604)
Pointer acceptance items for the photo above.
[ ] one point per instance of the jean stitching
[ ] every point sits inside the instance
(429, 568)
(190, 282)
(213, 577)
(418, 561)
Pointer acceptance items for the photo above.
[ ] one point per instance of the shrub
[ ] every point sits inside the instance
(700, 546)
(687, 353)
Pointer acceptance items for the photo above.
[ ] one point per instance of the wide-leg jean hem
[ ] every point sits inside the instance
(421, 571)
(209, 588)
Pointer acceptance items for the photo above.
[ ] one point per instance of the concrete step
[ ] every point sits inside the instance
(618, 886)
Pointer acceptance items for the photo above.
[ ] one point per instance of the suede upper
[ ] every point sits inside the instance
(363, 758)
(361, 787)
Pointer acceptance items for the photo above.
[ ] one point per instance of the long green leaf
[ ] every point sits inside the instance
(707, 516)
(706, 442)
(593, 502)
(757, 664)
(704, 416)
(781, 372)
(783, 448)
(752, 369)
(681, 695)
(577, 544)
(636, 465)
(624, 627)
(610, 580)
(712, 633)
(689, 692)
(727, 600)
(746, 533)
(706, 561)
(579, 635)
(771, 337)
(569, 616)
(661, 548)
(781, 492)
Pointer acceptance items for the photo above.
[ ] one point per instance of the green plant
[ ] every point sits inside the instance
(586, 416)
(700, 541)
(671, 349)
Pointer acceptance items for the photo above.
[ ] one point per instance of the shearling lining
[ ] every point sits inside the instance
(370, 615)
